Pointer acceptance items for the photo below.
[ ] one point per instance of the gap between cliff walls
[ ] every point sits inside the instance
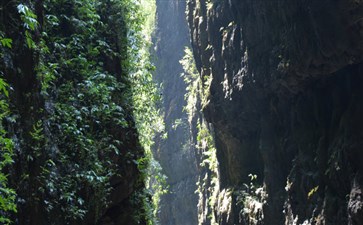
(148, 116)
(177, 152)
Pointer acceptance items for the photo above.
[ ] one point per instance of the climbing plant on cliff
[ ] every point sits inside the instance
(197, 98)
(7, 194)
(197, 87)
(145, 98)
(85, 81)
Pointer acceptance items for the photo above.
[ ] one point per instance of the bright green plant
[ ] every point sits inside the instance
(6, 42)
(145, 96)
(193, 82)
(92, 99)
(93, 74)
(7, 194)
(30, 23)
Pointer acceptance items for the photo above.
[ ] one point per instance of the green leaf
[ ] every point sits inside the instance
(29, 41)
(3, 87)
(6, 42)
(28, 14)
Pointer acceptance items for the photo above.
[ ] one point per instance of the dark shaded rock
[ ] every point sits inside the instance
(355, 205)
(285, 103)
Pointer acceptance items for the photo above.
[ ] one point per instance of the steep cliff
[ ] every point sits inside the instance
(284, 105)
(77, 156)
(176, 152)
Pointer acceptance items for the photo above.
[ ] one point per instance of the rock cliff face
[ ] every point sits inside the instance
(75, 147)
(176, 153)
(285, 105)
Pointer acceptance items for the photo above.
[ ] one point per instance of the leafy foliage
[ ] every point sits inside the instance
(250, 199)
(197, 98)
(7, 194)
(145, 97)
(30, 23)
(197, 88)
(6, 42)
(89, 83)
(210, 183)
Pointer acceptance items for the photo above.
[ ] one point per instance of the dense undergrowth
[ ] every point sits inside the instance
(78, 111)
(7, 194)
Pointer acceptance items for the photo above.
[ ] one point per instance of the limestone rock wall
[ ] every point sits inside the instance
(285, 105)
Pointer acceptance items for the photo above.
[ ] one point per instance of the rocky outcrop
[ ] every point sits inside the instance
(284, 105)
(176, 153)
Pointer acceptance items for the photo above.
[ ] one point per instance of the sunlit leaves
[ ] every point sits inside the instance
(145, 95)
(83, 135)
(28, 17)
(7, 195)
(4, 87)
(30, 23)
(6, 42)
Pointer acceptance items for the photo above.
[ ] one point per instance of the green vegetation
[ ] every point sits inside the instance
(145, 96)
(192, 79)
(7, 194)
(250, 199)
(86, 117)
(210, 183)
(30, 23)
(197, 87)
(197, 98)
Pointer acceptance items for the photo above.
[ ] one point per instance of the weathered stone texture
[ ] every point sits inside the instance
(285, 103)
